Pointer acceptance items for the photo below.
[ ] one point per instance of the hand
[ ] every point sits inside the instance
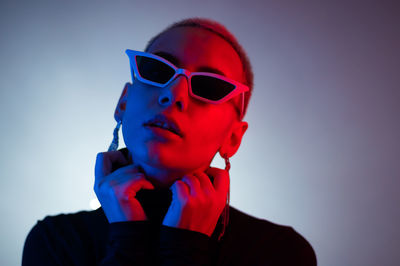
(116, 189)
(196, 202)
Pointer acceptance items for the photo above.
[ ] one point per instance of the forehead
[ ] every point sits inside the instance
(196, 49)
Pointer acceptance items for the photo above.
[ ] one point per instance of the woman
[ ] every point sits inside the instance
(162, 203)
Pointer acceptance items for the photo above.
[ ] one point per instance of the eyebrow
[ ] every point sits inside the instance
(176, 62)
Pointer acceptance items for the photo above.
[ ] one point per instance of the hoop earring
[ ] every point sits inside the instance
(114, 143)
(225, 212)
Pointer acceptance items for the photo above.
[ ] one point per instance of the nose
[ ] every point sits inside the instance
(176, 93)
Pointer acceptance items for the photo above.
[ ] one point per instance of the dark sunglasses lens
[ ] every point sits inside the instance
(154, 70)
(211, 88)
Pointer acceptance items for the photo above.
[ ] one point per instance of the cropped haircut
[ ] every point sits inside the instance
(221, 31)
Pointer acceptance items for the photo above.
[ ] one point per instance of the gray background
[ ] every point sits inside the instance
(322, 150)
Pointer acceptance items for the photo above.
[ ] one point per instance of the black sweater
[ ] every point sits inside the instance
(87, 238)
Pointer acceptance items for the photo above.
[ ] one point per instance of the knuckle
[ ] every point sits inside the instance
(185, 179)
(126, 195)
(100, 184)
(196, 181)
(187, 201)
(99, 155)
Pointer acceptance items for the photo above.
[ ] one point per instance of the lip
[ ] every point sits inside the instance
(171, 123)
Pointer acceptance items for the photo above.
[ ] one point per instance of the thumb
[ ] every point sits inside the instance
(108, 162)
(221, 179)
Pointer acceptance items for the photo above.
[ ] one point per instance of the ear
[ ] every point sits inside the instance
(121, 106)
(233, 140)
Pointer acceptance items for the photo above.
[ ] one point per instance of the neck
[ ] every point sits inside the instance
(161, 177)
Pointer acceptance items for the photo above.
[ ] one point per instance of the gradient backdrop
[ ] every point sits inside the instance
(322, 150)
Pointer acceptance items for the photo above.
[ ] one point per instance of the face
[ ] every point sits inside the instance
(205, 128)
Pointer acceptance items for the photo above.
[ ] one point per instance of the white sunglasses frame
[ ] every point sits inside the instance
(239, 87)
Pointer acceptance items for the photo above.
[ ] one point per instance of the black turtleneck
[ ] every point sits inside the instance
(86, 238)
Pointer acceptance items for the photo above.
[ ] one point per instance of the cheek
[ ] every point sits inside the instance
(136, 113)
(140, 97)
(209, 134)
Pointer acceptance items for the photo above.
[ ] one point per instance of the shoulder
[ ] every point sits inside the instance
(278, 242)
(72, 233)
(74, 219)
(72, 224)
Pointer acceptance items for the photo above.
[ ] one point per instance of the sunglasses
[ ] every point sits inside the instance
(204, 86)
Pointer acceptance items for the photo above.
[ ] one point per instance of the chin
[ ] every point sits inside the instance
(170, 163)
(168, 156)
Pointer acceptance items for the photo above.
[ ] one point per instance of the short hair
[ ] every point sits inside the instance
(220, 30)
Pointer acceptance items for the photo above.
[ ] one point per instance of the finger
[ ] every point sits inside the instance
(205, 182)
(180, 191)
(193, 183)
(123, 174)
(127, 155)
(119, 176)
(108, 162)
(147, 185)
(130, 188)
(118, 158)
(98, 169)
(221, 179)
(142, 183)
